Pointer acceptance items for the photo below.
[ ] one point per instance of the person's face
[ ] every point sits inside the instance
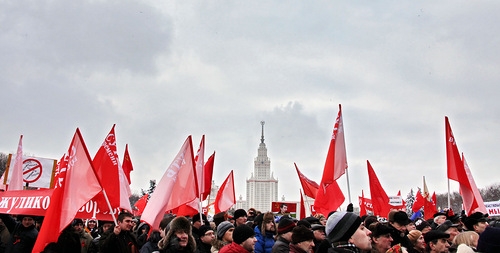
(228, 236)
(441, 246)
(126, 224)
(284, 209)
(27, 221)
(319, 234)
(106, 226)
(287, 236)
(399, 227)
(78, 227)
(241, 220)
(183, 238)
(411, 226)
(440, 219)
(480, 227)
(420, 244)
(426, 229)
(91, 224)
(270, 226)
(452, 231)
(361, 238)
(249, 244)
(323, 221)
(307, 246)
(162, 233)
(208, 237)
(197, 224)
(383, 242)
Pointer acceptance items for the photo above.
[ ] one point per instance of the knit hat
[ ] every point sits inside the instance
(420, 224)
(204, 229)
(242, 233)
(196, 218)
(488, 240)
(414, 235)
(341, 225)
(301, 233)
(434, 235)
(286, 225)
(223, 228)
(239, 213)
(304, 223)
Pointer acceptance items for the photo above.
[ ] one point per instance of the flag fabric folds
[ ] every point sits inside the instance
(226, 196)
(181, 176)
(16, 180)
(380, 200)
(127, 164)
(141, 204)
(208, 171)
(302, 207)
(477, 203)
(310, 187)
(362, 207)
(419, 202)
(73, 171)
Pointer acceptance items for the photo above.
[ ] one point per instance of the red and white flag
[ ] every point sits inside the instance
(16, 180)
(380, 200)
(74, 171)
(473, 202)
(127, 164)
(226, 196)
(181, 176)
(309, 186)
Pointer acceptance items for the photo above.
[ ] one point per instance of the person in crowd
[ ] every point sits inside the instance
(198, 221)
(141, 233)
(439, 218)
(265, 231)
(23, 233)
(285, 227)
(321, 218)
(381, 237)
(398, 224)
(476, 222)
(4, 236)
(252, 213)
(152, 244)
(92, 227)
(220, 217)
(452, 229)
(179, 237)
(302, 240)
(423, 226)
(437, 242)
(489, 241)
(120, 237)
(466, 242)
(346, 233)
(85, 238)
(319, 235)
(67, 242)
(369, 219)
(243, 241)
(283, 212)
(224, 236)
(206, 238)
(411, 226)
(104, 226)
(240, 217)
(417, 240)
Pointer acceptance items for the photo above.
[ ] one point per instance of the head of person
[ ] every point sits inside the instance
(197, 222)
(77, 224)
(411, 226)
(225, 231)
(437, 241)
(106, 225)
(91, 224)
(285, 227)
(399, 220)
(476, 222)
(321, 218)
(26, 220)
(240, 217)
(303, 238)
(267, 224)
(381, 236)
(180, 229)
(164, 225)
(245, 237)
(423, 226)
(469, 238)
(439, 218)
(206, 234)
(283, 208)
(449, 228)
(318, 232)
(417, 239)
(489, 240)
(125, 221)
(346, 227)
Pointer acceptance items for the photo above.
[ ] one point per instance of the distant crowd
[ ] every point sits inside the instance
(253, 231)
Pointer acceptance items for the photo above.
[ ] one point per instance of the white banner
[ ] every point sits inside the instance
(493, 208)
(37, 171)
(395, 201)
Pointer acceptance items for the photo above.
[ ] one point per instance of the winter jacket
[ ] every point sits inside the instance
(265, 242)
(296, 249)
(22, 239)
(281, 246)
(124, 242)
(233, 248)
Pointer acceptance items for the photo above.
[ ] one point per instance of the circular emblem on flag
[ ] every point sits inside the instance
(32, 170)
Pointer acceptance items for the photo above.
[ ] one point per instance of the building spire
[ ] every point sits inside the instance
(262, 137)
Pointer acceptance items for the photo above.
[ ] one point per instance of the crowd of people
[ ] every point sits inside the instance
(253, 231)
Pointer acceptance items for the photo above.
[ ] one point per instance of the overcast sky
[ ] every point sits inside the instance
(163, 70)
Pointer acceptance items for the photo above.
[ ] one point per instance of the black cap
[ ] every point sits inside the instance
(401, 218)
(435, 235)
(446, 225)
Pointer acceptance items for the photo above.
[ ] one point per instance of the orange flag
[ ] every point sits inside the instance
(380, 200)
(226, 197)
(73, 171)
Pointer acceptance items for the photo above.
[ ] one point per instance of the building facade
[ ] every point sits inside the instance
(262, 187)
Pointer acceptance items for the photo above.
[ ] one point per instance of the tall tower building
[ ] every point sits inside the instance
(262, 188)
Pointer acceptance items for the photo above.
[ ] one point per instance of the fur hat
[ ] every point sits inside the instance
(242, 233)
(180, 223)
(239, 213)
(223, 228)
(286, 225)
(301, 233)
(379, 229)
(488, 240)
(340, 226)
(414, 235)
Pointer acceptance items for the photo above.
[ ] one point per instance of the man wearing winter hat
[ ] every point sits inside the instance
(179, 237)
(265, 230)
(381, 237)
(243, 241)
(346, 233)
(206, 237)
(302, 240)
(398, 224)
(240, 217)
(319, 235)
(85, 238)
(224, 236)
(197, 223)
(423, 226)
(285, 227)
(476, 222)
(437, 241)
(449, 228)
(23, 233)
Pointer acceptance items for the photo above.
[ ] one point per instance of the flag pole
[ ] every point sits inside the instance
(449, 193)
(348, 187)
(109, 206)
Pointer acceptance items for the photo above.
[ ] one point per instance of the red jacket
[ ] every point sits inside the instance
(233, 248)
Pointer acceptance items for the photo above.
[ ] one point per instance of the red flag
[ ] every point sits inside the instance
(199, 160)
(336, 159)
(141, 204)
(109, 171)
(310, 187)
(474, 202)
(419, 202)
(208, 171)
(328, 198)
(181, 176)
(362, 207)
(455, 165)
(226, 197)
(127, 164)
(302, 207)
(16, 180)
(380, 200)
(74, 171)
